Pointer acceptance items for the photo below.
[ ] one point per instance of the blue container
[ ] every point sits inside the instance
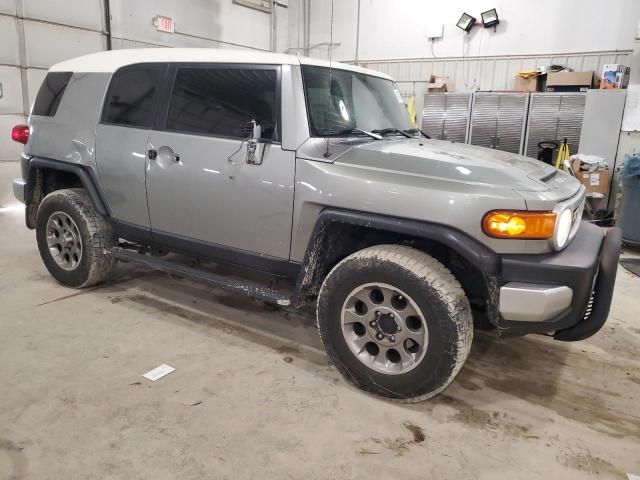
(630, 221)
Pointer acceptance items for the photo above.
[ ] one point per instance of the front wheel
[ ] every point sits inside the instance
(73, 238)
(395, 322)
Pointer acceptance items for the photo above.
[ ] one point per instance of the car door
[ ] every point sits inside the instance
(121, 138)
(201, 191)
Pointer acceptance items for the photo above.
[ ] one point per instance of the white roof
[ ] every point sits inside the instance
(112, 60)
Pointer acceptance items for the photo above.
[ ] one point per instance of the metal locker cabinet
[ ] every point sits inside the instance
(554, 116)
(498, 120)
(445, 116)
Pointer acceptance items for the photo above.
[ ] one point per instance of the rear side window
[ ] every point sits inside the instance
(131, 98)
(50, 93)
(221, 101)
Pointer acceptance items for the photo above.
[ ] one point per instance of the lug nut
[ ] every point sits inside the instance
(393, 338)
(372, 323)
(377, 313)
(380, 336)
(399, 329)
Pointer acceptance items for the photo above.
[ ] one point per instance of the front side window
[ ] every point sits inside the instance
(50, 93)
(339, 101)
(222, 101)
(131, 99)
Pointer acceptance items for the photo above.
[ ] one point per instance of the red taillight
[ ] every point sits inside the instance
(20, 134)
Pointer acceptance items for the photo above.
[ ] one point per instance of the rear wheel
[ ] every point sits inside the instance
(73, 238)
(395, 322)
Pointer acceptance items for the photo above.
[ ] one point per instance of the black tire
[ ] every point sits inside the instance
(96, 235)
(437, 294)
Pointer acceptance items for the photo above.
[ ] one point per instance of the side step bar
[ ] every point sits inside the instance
(243, 287)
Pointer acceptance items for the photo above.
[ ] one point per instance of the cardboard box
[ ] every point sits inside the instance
(615, 75)
(533, 83)
(569, 81)
(594, 182)
(526, 84)
(437, 83)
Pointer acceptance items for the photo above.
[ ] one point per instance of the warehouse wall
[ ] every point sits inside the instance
(394, 30)
(392, 37)
(35, 34)
(199, 23)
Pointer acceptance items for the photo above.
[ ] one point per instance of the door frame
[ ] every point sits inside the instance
(208, 250)
(158, 101)
(162, 111)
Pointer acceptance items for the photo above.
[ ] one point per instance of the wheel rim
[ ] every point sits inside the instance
(64, 240)
(384, 328)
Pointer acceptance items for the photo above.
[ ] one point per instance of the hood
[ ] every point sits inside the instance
(460, 162)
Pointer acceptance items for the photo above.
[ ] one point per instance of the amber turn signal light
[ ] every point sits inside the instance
(519, 224)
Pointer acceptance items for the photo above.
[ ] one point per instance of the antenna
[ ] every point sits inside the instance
(330, 51)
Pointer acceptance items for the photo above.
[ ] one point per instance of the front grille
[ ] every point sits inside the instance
(589, 309)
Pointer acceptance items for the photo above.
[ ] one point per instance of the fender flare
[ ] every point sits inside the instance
(476, 253)
(86, 175)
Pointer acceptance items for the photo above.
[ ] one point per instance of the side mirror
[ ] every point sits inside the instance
(254, 149)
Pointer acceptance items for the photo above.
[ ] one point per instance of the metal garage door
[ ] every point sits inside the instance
(498, 120)
(555, 116)
(446, 116)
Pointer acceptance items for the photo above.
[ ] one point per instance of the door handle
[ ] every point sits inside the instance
(152, 153)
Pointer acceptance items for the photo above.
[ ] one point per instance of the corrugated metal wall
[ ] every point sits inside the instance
(494, 73)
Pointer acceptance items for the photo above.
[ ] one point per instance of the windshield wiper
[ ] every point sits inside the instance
(416, 130)
(386, 131)
(351, 131)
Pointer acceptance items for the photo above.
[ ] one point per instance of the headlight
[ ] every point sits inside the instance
(563, 228)
(519, 224)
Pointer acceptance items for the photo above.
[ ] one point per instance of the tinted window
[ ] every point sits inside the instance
(50, 93)
(221, 101)
(131, 97)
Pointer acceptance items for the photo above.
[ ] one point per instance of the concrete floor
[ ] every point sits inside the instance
(253, 397)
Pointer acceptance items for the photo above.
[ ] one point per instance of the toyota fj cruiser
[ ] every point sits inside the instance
(310, 171)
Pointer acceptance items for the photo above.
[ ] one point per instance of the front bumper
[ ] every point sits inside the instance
(565, 294)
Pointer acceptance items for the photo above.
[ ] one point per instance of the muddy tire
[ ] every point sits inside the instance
(73, 238)
(395, 322)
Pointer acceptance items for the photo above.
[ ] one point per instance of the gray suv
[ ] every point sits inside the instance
(311, 173)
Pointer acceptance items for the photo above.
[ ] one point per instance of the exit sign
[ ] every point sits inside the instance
(164, 24)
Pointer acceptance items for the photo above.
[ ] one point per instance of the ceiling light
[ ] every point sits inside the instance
(466, 22)
(490, 18)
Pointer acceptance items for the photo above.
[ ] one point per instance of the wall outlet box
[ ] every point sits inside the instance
(435, 31)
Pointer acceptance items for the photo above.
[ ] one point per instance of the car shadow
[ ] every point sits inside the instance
(521, 366)
(536, 370)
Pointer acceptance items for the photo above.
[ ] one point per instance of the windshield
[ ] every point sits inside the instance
(354, 102)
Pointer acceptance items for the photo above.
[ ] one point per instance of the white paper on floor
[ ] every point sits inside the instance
(633, 477)
(158, 372)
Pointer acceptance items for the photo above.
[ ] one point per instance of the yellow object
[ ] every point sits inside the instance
(519, 224)
(563, 154)
(528, 73)
(411, 106)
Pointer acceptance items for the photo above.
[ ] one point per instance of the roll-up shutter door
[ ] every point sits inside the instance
(554, 117)
(445, 116)
(498, 120)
